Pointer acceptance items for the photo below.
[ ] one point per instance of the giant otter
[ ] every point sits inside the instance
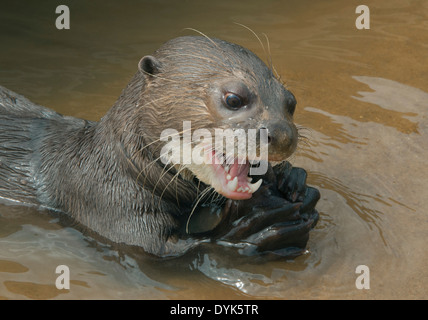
(109, 177)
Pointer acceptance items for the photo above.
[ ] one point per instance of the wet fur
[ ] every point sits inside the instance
(107, 174)
(84, 169)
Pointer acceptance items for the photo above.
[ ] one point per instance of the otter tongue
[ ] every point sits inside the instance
(240, 170)
(237, 185)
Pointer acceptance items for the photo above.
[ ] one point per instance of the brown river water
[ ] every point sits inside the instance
(362, 97)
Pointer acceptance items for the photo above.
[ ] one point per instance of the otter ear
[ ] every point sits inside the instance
(149, 65)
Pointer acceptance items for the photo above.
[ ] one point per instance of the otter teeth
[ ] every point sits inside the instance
(232, 185)
(255, 186)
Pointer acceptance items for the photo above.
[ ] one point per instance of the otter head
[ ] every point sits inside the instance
(198, 88)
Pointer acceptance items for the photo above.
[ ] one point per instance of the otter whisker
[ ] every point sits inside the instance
(148, 166)
(144, 147)
(218, 197)
(160, 156)
(150, 102)
(215, 196)
(163, 173)
(176, 183)
(157, 140)
(200, 57)
(302, 139)
(272, 67)
(255, 34)
(278, 76)
(158, 77)
(204, 35)
(175, 177)
(198, 188)
(203, 193)
(269, 53)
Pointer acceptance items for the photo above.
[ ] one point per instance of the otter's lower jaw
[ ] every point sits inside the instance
(228, 178)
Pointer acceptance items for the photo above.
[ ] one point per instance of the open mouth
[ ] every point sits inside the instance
(230, 178)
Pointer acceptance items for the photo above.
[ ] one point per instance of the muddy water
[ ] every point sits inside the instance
(362, 100)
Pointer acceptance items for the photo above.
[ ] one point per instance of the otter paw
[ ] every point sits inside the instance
(274, 227)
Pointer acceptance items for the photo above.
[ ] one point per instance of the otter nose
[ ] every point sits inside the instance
(280, 135)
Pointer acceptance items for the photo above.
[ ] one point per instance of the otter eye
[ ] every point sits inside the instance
(233, 101)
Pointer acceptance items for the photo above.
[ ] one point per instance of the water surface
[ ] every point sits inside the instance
(362, 99)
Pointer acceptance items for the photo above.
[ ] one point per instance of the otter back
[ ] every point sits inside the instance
(80, 168)
(23, 124)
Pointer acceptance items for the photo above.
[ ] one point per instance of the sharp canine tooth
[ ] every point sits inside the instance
(227, 168)
(255, 186)
(232, 185)
(249, 179)
(228, 177)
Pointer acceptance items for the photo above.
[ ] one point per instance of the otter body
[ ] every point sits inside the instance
(78, 167)
(107, 175)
